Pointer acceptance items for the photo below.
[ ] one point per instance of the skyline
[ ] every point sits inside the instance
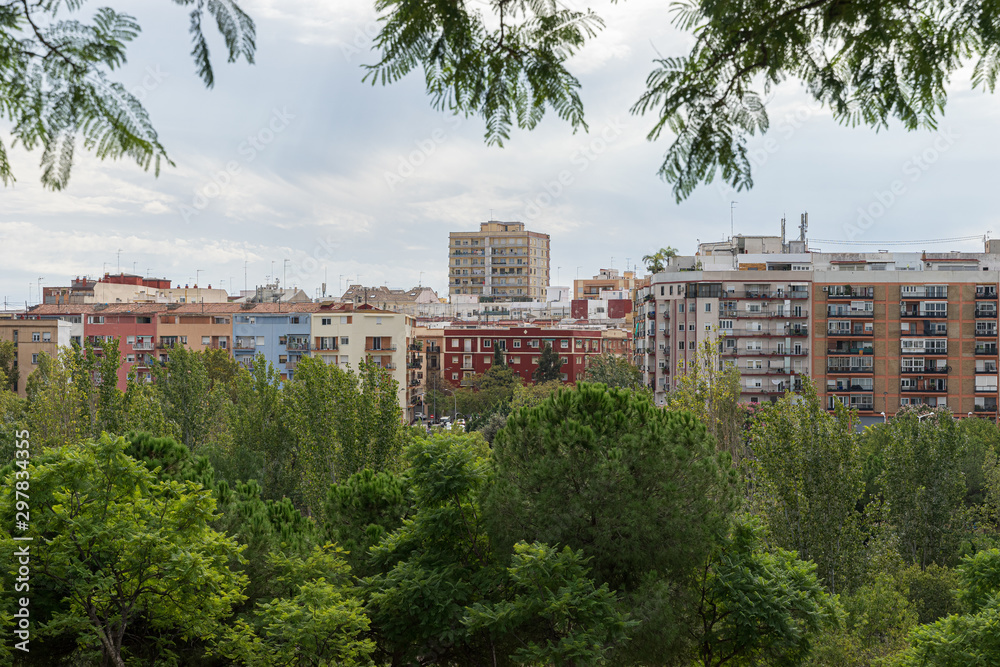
(296, 156)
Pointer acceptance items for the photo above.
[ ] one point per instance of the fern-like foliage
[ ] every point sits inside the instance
(55, 84)
(869, 61)
(509, 75)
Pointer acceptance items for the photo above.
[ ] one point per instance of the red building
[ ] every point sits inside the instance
(470, 351)
(135, 325)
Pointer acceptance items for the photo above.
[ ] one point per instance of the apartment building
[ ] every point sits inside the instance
(606, 280)
(346, 335)
(32, 336)
(470, 351)
(503, 261)
(875, 331)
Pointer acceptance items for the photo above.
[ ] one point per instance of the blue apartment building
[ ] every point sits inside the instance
(283, 339)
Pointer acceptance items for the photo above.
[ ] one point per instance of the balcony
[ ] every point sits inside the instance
(167, 344)
(850, 351)
(986, 292)
(797, 330)
(986, 350)
(990, 367)
(986, 312)
(930, 370)
(433, 349)
(848, 388)
(910, 313)
(986, 389)
(986, 333)
(298, 346)
(245, 344)
(924, 390)
(760, 315)
(143, 346)
(850, 292)
(849, 333)
(387, 348)
(855, 370)
(988, 407)
(850, 314)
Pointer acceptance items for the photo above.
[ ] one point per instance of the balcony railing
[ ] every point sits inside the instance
(934, 370)
(984, 312)
(841, 333)
(849, 369)
(167, 344)
(984, 408)
(389, 348)
(992, 388)
(853, 293)
(923, 314)
(851, 313)
(923, 390)
(854, 351)
(989, 350)
(849, 388)
(986, 293)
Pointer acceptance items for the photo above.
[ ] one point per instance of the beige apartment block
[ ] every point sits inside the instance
(346, 335)
(503, 261)
(32, 338)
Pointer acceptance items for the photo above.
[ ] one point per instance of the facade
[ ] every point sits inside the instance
(606, 280)
(875, 331)
(503, 262)
(33, 337)
(129, 288)
(470, 352)
(347, 335)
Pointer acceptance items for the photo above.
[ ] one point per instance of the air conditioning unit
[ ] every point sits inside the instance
(826, 289)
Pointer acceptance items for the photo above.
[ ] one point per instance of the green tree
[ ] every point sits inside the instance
(657, 262)
(74, 59)
(640, 490)
(808, 478)
(757, 607)
(968, 639)
(9, 373)
(189, 403)
(923, 485)
(709, 388)
(320, 620)
(549, 365)
(614, 371)
(259, 443)
(134, 558)
(870, 63)
(341, 422)
(55, 401)
(498, 356)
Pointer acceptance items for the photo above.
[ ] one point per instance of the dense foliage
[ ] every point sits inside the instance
(220, 515)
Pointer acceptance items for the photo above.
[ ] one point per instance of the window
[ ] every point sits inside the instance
(691, 327)
(565, 377)
(34, 358)
(691, 345)
(454, 359)
(36, 337)
(95, 319)
(46, 337)
(206, 340)
(378, 320)
(454, 342)
(708, 327)
(680, 345)
(564, 344)
(294, 319)
(517, 343)
(680, 327)
(344, 340)
(708, 307)
(680, 307)
(130, 340)
(129, 358)
(671, 290)
(691, 309)
(487, 343)
(326, 321)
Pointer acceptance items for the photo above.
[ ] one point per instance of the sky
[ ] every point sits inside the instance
(294, 168)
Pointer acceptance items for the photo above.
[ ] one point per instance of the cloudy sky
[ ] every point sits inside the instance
(348, 181)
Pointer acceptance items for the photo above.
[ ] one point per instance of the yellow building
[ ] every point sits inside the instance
(503, 261)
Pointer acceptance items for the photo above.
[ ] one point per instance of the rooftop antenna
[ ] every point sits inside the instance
(804, 226)
(732, 223)
(119, 260)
